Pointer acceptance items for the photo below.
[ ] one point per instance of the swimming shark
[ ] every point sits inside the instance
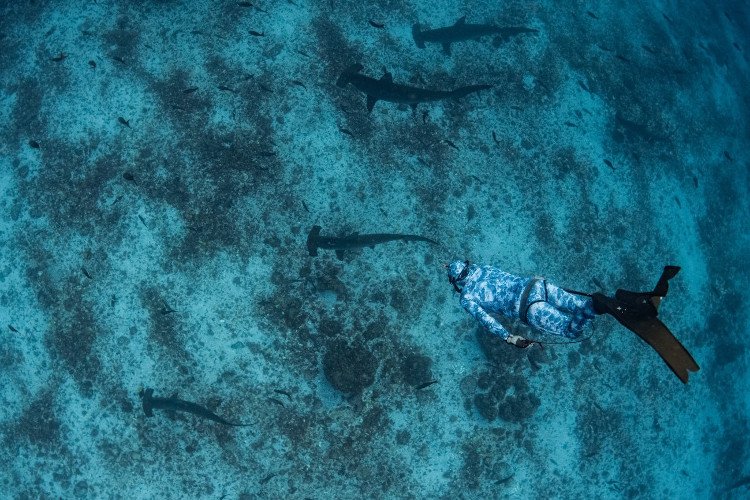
(462, 31)
(356, 240)
(173, 403)
(385, 90)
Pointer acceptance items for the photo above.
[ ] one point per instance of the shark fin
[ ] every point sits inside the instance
(371, 100)
(340, 254)
(447, 48)
(461, 21)
(387, 77)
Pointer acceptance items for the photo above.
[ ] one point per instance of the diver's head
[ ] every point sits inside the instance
(457, 272)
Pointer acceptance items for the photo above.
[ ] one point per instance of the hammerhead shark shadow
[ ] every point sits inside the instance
(462, 31)
(172, 403)
(315, 241)
(385, 90)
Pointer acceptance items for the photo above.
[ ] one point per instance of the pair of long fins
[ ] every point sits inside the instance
(638, 311)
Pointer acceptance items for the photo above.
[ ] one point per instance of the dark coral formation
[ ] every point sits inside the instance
(349, 368)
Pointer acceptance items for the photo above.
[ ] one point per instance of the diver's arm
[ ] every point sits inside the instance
(484, 318)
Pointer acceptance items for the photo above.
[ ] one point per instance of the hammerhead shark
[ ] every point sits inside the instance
(462, 31)
(385, 90)
(173, 403)
(356, 240)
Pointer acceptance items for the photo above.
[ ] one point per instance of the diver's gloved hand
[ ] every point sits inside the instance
(518, 341)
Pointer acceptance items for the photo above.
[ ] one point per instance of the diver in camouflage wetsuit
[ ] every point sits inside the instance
(537, 303)
(546, 307)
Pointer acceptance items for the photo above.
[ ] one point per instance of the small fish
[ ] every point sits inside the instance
(299, 84)
(123, 121)
(570, 124)
(504, 480)
(13, 329)
(143, 221)
(267, 153)
(244, 4)
(598, 283)
(58, 57)
(728, 156)
(265, 89)
(189, 90)
(304, 205)
(86, 273)
(425, 384)
(225, 88)
(623, 58)
(579, 114)
(494, 138)
(118, 59)
(450, 143)
(374, 24)
(583, 86)
(256, 33)
(33, 144)
(276, 401)
(92, 64)
(166, 309)
(128, 176)
(346, 131)
(282, 391)
(302, 53)
(677, 200)
(695, 181)
(737, 46)
(667, 18)
(609, 164)
(592, 15)
(648, 49)
(268, 477)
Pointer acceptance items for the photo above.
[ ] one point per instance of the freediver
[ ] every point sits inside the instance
(486, 290)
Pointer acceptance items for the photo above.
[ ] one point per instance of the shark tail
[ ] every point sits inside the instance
(416, 33)
(346, 76)
(469, 89)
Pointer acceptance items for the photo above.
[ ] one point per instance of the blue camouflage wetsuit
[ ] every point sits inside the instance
(541, 305)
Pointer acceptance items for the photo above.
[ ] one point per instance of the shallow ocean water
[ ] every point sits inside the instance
(161, 166)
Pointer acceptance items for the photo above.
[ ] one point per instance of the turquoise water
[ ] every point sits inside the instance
(161, 167)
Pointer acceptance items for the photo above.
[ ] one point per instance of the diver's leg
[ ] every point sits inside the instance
(578, 305)
(549, 319)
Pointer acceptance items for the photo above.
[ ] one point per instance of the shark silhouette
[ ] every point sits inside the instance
(385, 90)
(462, 31)
(356, 240)
(173, 403)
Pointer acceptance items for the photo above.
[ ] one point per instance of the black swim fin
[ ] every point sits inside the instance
(638, 311)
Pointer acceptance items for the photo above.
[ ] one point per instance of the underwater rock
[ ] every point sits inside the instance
(416, 369)
(518, 408)
(349, 369)
(486, 405)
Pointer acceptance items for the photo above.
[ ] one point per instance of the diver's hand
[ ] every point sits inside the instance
(518, 341)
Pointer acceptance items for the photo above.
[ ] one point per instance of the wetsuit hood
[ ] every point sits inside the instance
(457, 273)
